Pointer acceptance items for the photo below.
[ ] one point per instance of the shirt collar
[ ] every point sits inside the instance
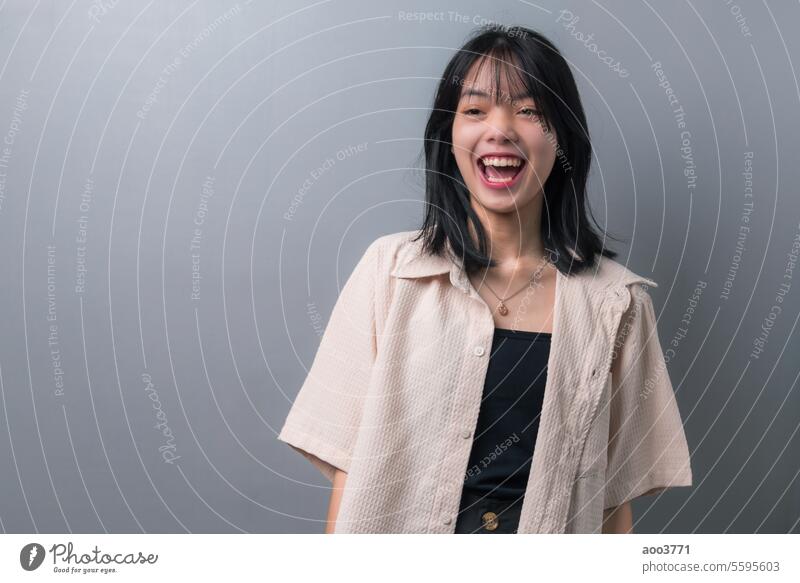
(412, 263)
(609, 276)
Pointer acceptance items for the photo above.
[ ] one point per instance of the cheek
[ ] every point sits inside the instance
(544, 145)
(461, 134)
(463, 146)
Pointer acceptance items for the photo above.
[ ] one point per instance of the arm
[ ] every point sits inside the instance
(618, 520)
(339, 480)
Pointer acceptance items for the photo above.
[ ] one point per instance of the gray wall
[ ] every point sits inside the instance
(186, 185)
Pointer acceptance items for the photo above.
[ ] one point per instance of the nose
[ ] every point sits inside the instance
(500, 126)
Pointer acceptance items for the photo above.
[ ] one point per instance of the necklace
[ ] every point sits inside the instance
(501, 307)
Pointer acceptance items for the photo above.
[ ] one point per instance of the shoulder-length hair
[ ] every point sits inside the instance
(528, 60)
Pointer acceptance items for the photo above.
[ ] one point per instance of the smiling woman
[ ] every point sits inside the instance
(425, 371)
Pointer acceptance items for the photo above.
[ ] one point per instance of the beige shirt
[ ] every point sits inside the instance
(393, 396)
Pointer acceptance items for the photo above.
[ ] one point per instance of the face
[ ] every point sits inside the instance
(502, 147)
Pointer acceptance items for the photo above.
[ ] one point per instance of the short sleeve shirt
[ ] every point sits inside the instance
(393, 395)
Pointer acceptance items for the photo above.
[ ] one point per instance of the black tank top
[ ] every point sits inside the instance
(508, 420)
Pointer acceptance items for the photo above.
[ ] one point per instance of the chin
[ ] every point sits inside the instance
(506, 208)
(503, 201)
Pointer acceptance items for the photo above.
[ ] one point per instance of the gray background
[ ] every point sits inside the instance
(237, 139)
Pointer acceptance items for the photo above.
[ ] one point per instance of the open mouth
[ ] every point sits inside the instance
(500, 171)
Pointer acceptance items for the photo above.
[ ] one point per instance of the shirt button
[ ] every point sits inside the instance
(466, 433)
(490, 521)
(478, 351)
(446, 520)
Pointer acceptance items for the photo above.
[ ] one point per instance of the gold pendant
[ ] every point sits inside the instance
(502, 309)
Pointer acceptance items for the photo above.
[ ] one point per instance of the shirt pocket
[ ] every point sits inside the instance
(586, 505)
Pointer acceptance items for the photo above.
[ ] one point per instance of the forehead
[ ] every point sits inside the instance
(496, 78)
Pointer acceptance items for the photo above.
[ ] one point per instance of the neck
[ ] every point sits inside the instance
(514, 239)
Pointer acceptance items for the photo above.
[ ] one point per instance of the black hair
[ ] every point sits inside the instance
(531, 60)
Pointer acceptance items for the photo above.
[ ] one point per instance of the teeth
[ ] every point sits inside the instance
(491, 161)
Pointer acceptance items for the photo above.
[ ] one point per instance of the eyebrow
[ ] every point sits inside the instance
(479, 93)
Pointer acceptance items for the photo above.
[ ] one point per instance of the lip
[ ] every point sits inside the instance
(500, 185)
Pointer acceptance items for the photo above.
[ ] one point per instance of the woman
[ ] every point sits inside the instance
(497, 371)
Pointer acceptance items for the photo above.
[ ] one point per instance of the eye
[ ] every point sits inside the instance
(469, 111)
(530, 112)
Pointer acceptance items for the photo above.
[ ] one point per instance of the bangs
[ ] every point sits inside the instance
(511, 80)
